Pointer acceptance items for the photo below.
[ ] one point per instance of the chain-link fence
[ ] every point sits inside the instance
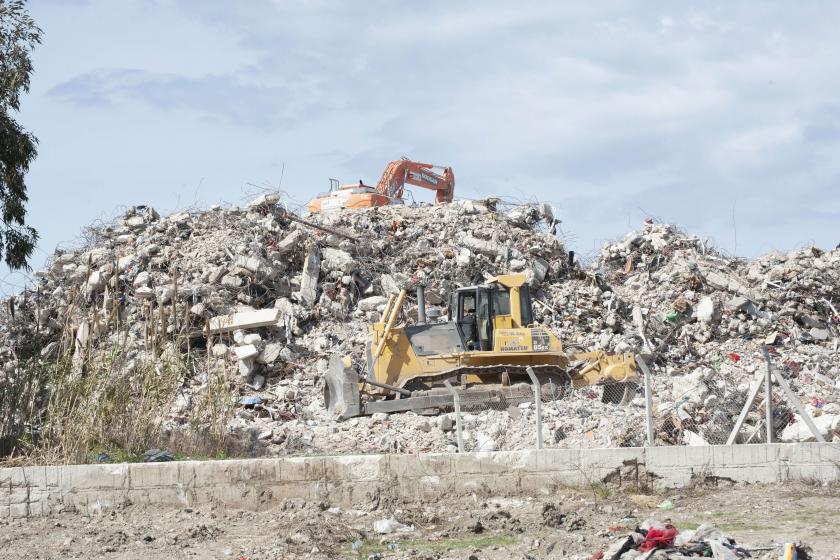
(721, 402)
(716, 403)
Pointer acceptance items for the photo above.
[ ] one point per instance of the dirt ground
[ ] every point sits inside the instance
(572, 524)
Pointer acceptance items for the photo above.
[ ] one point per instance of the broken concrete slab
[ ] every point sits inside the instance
(372, 303)
(336, 259)
(485, 247)
(820, 334)
(309, 279)
(290, 242)
(737, 303)
(270, 353)
(244, 320)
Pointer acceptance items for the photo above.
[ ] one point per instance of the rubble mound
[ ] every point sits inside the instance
(249, 303)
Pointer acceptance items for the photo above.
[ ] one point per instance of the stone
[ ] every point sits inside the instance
(219, 350)
(336, 259)
(252, 338)
(483, 442)
(144, 292)
(142, 279)
(372, 303)
(737, 303)
(150, 250)
(95, 281)
(798, 431)
(246, 351)
(246, 367)
(270, 353)
(483, 247)
(290, 242)
(254, 265)
(257, 382)
(232, 281)
(540, 269)
(269, 199)
(389, 285)
(198, 309)
(464, 257)
(820, 334)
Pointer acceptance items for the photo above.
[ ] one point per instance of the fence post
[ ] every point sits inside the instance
(648, 400)
(794, 400)
(768, 399)
(535, 382)
(456, 400)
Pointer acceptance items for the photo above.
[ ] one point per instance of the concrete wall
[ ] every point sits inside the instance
(365, 479)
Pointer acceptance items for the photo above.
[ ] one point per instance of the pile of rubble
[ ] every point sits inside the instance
(259, 299)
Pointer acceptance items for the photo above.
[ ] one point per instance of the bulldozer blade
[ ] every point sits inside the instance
(341, 390)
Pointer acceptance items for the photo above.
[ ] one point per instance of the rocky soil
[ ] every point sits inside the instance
(571, 525)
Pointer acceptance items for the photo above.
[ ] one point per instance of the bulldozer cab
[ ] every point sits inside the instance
(479, 311)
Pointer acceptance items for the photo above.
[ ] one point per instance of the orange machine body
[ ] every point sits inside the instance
(390, 188)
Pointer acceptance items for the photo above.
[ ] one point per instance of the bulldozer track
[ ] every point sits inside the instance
(554, 380)
(511, 369)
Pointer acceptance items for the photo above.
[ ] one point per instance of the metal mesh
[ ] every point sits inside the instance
(699, 405)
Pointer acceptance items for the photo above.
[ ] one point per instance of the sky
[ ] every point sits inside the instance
(722, 117)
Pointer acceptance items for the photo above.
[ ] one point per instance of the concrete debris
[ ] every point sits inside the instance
(372, 303)
(250, 319)
(270, 300)
(706, 310)
(309, 279)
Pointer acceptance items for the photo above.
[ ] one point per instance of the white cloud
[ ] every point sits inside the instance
(756, 147)
(594, 106)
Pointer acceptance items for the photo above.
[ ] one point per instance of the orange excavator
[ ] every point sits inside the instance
(389, 189)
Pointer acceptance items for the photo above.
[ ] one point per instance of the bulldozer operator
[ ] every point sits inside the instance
(470, 324)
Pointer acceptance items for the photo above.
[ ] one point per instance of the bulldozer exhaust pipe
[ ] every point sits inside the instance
(421, 304)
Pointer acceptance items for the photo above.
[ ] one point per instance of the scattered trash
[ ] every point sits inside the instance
(157, 456)
(707, 541)
(104, 458)
(659, 537)
(666, 505)
(250, 400)
(391, 525)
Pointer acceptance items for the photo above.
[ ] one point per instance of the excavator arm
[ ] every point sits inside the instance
(402, 171)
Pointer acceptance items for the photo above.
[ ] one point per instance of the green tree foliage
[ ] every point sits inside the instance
(18, 36)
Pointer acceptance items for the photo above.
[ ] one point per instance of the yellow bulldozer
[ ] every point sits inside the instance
(484, 351)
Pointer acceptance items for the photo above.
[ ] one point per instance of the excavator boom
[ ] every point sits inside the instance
(402, 171)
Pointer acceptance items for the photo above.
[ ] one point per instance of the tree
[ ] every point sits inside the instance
(18, 36)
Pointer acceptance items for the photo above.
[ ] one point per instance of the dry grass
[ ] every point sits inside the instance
(63, 412)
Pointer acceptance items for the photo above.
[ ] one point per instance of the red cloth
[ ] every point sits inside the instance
(659, 538)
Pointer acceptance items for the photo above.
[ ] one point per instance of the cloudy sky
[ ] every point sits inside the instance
(721, 117)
